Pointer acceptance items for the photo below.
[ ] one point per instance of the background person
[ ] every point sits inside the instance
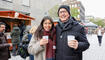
(26, 39)
(22, 27)
(33, 29)
(100, 33)
(15, 36)
(4, 46)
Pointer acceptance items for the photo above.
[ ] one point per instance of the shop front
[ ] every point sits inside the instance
(12, 17)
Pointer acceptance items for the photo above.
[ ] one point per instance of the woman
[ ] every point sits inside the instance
(40, 47)
(100, 33)
(33, 29)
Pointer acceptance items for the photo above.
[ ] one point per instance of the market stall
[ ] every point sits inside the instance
(12, 17)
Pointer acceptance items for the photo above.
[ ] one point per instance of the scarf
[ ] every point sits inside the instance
(50, 51)
(68, 24)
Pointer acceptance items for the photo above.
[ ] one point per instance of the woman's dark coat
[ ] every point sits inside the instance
(63, 51)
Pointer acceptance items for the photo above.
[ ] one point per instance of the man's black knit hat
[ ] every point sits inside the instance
(65, 7)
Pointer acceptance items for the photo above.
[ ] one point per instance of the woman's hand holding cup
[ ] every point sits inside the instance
(44, 40)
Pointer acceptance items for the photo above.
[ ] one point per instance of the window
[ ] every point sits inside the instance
(78, 16)
(8, 0)
(78, 10)
(75, 5)
(26, 2)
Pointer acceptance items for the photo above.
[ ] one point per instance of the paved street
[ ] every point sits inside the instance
(95, 52)
(16, 58)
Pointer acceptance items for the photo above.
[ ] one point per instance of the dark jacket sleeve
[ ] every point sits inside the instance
(83, 43)
(4, 45)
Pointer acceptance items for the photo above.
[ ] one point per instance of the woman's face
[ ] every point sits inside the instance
(47, 25)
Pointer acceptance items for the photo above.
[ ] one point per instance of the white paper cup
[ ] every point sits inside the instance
(45, 37)
(54, 47)
(70, 37)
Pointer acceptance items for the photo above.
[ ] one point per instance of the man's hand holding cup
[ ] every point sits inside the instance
(72, 42)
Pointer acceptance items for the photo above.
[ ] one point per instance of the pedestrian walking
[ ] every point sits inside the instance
(100, 33)
(71, 37)
(4, 45)
(43, 41)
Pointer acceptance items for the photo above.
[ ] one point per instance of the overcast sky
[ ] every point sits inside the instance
(94, 7)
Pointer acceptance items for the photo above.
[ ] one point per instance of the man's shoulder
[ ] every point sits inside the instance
(78, 26)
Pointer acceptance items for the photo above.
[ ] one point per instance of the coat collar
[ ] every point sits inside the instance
(1, 33)
(68, 24)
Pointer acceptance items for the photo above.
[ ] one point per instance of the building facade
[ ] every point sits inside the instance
(34, 8)
(15, 5)
(40, 8)
(79, 6)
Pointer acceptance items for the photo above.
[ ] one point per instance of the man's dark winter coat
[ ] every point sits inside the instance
(63, 51)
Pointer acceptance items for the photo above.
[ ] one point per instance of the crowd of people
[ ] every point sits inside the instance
(65, 41)
(20, 37)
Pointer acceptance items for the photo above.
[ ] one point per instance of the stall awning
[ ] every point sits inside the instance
(14, 15)
(90, 24)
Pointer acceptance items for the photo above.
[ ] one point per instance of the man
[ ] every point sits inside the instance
(69, 50)
(4, 52)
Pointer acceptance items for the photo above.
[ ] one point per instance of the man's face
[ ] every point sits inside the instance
(2, 28)
(63, 15)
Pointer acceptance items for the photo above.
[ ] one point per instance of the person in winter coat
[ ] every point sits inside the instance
(15, 36)
(43, 41)
(69, 49)
(4, 46)
(26, 33)
(100, 33)
(26, 39)
(22, 28)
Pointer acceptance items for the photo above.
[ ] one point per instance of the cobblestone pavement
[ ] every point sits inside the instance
(95, 52)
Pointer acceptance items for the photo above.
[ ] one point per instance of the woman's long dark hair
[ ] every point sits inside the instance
(39, 31)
